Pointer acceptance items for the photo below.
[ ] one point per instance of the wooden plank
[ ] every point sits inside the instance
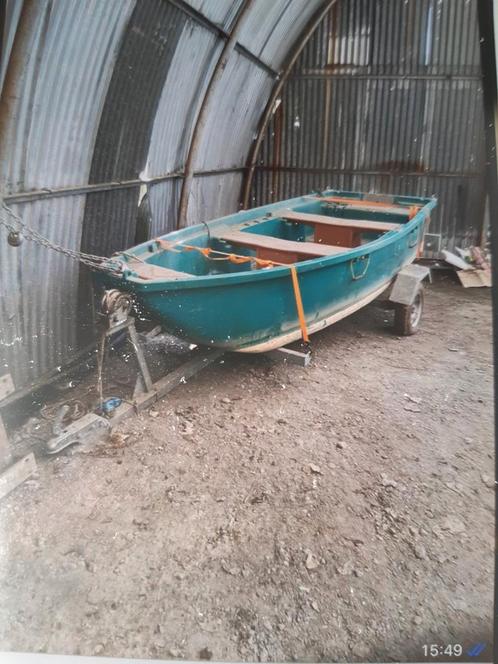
(267, 242)
(6, 386)
(4, 445)
(325, 220)
(345, 200)
(337, 236)
(17, 474)
(368, 206)
(285, 257)
(148, 271)
(475, 278)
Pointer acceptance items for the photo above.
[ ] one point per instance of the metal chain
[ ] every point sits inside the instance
(14, 224)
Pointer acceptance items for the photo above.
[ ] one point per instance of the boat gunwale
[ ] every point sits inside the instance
(216, 280)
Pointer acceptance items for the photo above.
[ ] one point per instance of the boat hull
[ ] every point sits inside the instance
(255, 311)
(289, 337)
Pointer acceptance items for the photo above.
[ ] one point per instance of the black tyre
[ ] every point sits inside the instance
(407, 317)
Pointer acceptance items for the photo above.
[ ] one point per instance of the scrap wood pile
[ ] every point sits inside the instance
(472, 266)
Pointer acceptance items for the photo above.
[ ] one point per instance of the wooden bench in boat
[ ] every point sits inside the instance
(323, 219)
(148, 271)
(278, 250)
(369, 206)
(335, 230)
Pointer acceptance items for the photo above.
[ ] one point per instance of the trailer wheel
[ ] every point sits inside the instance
(407, 317)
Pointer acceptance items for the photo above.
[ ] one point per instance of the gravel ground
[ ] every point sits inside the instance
(263, 511)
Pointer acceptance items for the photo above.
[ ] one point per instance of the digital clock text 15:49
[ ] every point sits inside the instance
(437, 650)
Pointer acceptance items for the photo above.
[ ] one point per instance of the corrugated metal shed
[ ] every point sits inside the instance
(386, 97)
(229, 129)
(99, 101)
(221, 12)
(48, 138)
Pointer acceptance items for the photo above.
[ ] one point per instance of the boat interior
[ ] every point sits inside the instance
(324, 226)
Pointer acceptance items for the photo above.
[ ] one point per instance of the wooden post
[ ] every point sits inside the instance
(11, 474)
(6, 388)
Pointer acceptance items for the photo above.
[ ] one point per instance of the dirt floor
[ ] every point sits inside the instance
(269, 512)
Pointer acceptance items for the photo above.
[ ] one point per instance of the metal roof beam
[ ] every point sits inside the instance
(366, 171)
(202, 20)
(293, 55)
(78, 190)
(200, 123)
(256, 60)
(385, 77)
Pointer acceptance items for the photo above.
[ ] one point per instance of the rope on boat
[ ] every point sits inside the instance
(238, 259)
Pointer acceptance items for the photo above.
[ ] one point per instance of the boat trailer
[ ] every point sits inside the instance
(404, 295)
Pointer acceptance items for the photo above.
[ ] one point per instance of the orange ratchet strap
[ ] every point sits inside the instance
(299, 304)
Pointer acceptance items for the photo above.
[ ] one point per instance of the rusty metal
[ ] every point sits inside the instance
(116, 306)
(277, 146)
(291, 59)
(203, 112)
(349, 171)
(57, 192)
(13, 71)
(386, 77)
(389, 98)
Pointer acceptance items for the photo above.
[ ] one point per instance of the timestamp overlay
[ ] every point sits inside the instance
(464, 652)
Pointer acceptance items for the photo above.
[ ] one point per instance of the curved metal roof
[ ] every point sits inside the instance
(99, 103)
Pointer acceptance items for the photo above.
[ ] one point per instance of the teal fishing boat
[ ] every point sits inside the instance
(261, 278)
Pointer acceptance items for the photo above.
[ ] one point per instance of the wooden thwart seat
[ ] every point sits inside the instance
(322, 219)
(278, 250)
(368, 206)
(148, 271)
(337, 231)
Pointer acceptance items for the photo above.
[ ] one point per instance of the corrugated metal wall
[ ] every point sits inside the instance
(99, 101)
(386, 97)
(98, 105)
